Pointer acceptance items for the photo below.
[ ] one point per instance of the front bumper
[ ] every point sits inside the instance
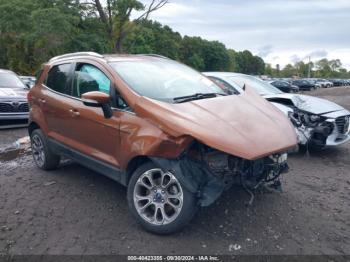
(336, 137)
(12, 120)
(328, 135)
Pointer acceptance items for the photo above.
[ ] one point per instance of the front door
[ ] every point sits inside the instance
(89, 131)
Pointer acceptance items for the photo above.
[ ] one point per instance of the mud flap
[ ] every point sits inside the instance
(195, 177)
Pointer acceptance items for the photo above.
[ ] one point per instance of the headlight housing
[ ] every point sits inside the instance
(307, 119)
(314, 118)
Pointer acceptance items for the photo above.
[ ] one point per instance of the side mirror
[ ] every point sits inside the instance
(98, 99)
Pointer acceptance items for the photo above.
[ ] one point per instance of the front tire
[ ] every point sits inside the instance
(44, 158)
(158, 201)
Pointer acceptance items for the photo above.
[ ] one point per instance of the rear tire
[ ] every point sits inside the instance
(44, 158)
(158, 201)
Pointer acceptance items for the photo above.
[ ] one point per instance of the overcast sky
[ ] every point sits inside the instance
(280, 31)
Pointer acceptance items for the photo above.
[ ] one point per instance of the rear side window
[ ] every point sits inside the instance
(57, 78)
(89, 78)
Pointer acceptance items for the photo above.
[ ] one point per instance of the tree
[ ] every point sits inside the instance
(335, 65)
(249, 64)
(216, 57)
(192, 52)
(259, 67)
(152, 37)
(233, 64)
(323, 67)
(115, 16)
(302, 69)
(33, 31)
(204, 55)
(268, 70)
(288, 71)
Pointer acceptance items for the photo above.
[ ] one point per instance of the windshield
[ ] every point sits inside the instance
(260, 86)
(9, 80)
(164, 79)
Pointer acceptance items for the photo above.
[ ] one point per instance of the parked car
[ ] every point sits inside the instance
(13, 100)
(318, 122)
(304, 85)
(29, 81)
(314, 83)
(337, 82)
(284, 86)
(324, 83)
(165, 131)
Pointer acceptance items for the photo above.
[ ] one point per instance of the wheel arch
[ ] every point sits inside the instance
(32, 126)
(133, 164)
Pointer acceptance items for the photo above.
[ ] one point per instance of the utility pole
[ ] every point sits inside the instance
(309, 71)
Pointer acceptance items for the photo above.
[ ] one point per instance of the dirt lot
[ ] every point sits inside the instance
(74, 210)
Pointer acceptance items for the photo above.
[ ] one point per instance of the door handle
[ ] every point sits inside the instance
(74, 112)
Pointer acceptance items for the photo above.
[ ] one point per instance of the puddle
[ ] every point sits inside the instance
(19, 148)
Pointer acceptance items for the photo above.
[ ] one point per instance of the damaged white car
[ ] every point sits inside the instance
(318, 122)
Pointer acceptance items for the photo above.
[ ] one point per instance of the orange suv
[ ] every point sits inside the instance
(168, 133)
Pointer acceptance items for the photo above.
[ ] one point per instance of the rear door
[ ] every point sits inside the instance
(54, 101)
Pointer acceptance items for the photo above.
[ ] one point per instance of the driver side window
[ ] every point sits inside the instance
(89, 78)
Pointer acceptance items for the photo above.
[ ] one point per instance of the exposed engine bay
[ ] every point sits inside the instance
(208, 172)
(312, 129)
(316, 127)
(250, 174)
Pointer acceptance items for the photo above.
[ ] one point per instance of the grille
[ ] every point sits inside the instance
(4, 107)
(23, 107)
(342, 124)
(11, 108)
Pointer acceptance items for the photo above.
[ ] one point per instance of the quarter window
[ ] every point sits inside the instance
(58, 77)
(89, 78)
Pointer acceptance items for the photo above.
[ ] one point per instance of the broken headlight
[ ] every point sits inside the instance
(279, 158)
(314, 118)
(303, 118)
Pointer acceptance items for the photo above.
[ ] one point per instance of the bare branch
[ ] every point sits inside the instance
(151, 8)
(101, 12)
(110, 19)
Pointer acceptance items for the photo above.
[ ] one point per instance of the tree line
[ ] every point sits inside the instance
(322, 68)
(33, 31)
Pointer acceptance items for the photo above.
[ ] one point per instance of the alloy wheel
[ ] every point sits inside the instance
(158, 197)
(38, 150)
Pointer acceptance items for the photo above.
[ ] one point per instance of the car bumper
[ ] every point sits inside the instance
(337, 138)
(316, 137)
(12, 120)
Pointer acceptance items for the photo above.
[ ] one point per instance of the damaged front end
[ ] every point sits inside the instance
(319, 131)
(207, 172)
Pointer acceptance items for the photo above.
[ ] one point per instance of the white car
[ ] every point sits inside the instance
(14, 110)
(318, 122)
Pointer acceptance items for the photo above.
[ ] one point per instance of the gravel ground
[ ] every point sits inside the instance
(74, 210)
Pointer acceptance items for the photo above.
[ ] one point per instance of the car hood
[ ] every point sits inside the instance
(306, 103)
(13, 93)
(244, 125)
(285, 109)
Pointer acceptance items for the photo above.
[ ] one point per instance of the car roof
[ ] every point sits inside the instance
(222, 74)
(106, 57)
(7, 71)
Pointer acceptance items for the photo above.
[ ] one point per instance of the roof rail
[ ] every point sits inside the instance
(155, 55)
(76, 54)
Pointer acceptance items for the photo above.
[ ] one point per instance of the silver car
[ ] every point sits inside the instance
(14, 109)
(318, 122)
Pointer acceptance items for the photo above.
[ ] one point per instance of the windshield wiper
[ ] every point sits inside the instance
(196, 96)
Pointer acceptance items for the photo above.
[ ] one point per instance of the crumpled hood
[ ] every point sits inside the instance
(306, 103)
(13, 93)
(243, 125)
